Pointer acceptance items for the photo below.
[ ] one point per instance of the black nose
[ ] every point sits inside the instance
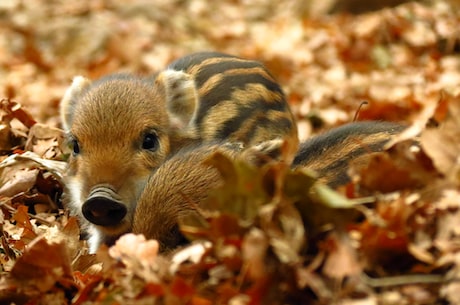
(102, 209)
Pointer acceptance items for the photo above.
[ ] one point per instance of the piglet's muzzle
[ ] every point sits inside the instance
(102, 208)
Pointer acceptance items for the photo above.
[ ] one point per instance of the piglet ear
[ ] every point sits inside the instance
(181, 99)
(70, 99)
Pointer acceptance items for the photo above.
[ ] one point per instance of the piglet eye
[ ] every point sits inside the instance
(75, 147)
(150, 141)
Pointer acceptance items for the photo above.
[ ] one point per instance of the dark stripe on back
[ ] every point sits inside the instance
(236, 122)
(261, 122)
(207, 71)
(223, 91)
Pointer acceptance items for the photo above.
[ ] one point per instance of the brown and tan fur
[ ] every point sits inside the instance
(175, 190)
(183, 182)
(329, 154)
(122, 127)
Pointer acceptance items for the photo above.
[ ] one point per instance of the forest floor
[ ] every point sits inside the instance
(403, 61)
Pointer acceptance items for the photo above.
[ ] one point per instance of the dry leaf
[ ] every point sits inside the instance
(21, 181)
(342, 260)
(441, 144)
(398, 59)
(42, 265)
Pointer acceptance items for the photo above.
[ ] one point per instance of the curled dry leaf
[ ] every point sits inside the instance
(22, 160)
(138, 255)
(431, 107)
(47, 142)
(14, 122)
(17, 182)
(441, 144)
(12, 110)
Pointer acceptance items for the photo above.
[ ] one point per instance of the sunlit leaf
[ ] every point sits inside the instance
(330, 198)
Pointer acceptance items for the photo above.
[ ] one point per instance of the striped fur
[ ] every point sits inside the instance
(239, 100)
(122, 127)
(180, 184)
(330, 153)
